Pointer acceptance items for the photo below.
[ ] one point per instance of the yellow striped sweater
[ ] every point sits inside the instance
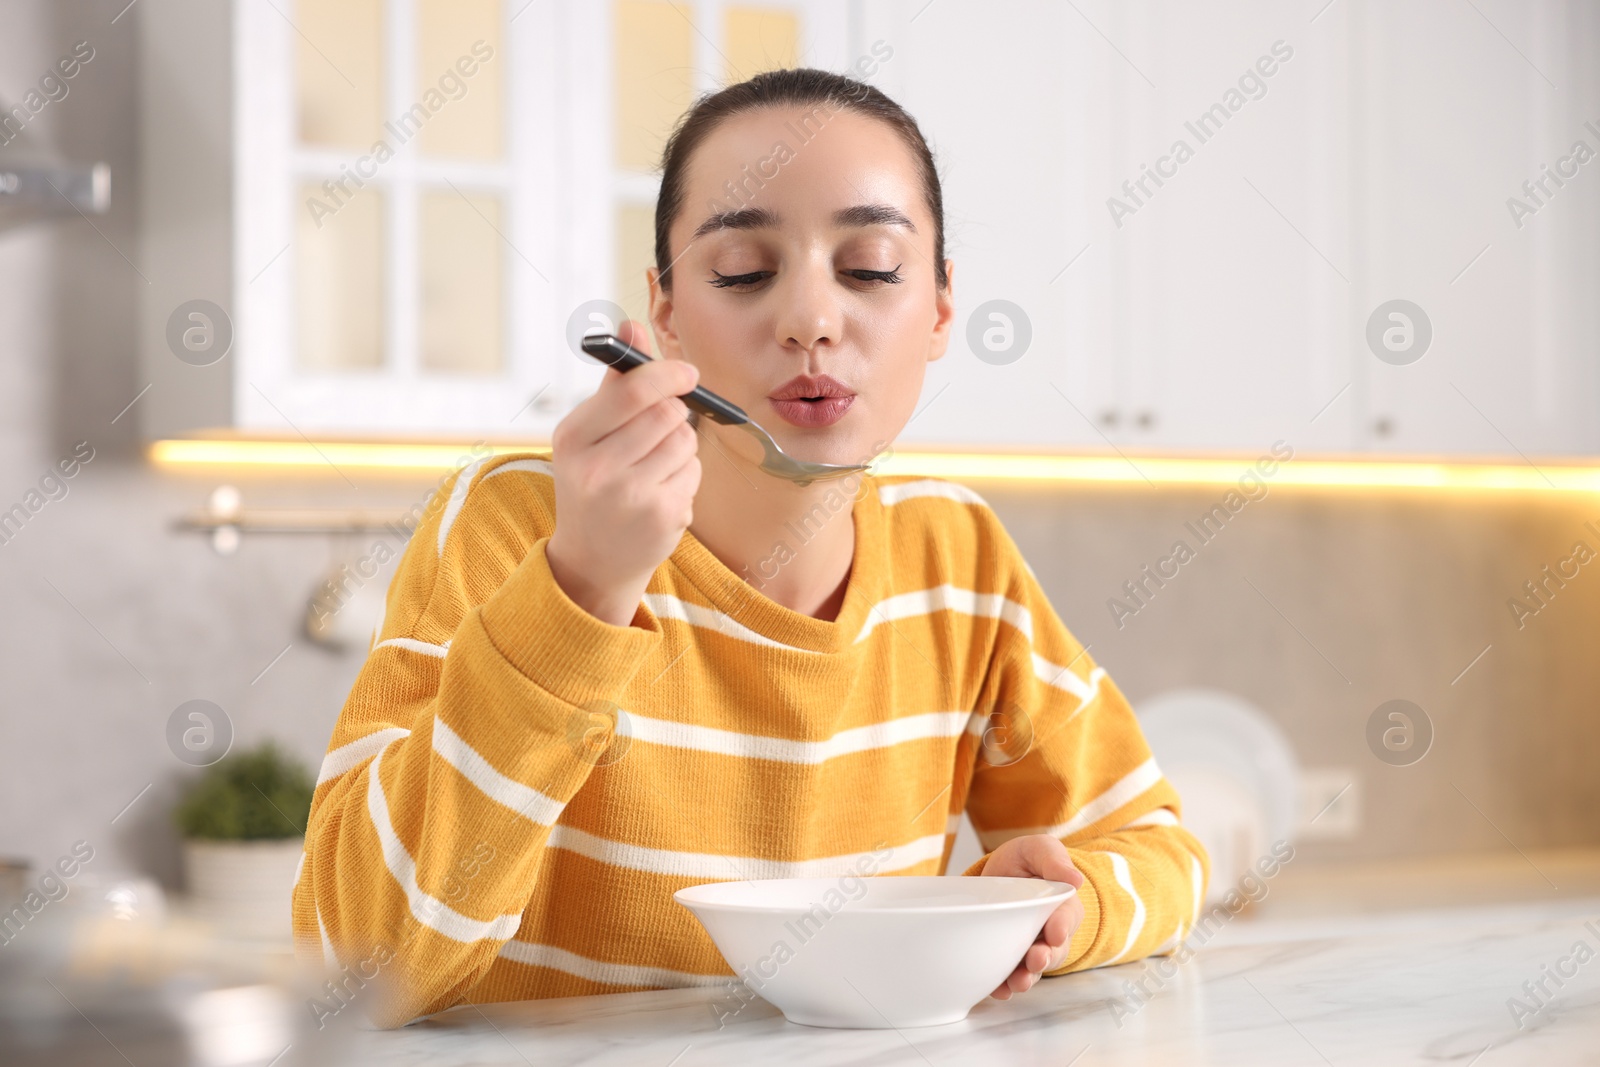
(515, 788)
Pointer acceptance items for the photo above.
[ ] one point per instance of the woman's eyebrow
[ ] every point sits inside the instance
(757, 218)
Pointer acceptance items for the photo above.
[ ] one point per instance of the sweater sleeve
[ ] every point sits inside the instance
(472, 723)
(1063, 755)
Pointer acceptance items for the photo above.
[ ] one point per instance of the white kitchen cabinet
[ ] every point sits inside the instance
(1225, 306)
(1214, 298)
(1454, 126)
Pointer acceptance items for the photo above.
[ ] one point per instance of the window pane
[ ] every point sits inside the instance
(339, 282)
(758, 39)
(654, 78)
(459, 62)
(636, 240)
(339, 71)
(461, 257)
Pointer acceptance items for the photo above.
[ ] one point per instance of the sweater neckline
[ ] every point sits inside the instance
(748, 607)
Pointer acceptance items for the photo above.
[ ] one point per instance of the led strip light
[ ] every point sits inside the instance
(425, 457)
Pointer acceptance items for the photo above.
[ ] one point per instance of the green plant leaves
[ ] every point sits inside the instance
(259, 794)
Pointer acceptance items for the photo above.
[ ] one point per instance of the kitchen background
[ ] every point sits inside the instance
(1315, 605)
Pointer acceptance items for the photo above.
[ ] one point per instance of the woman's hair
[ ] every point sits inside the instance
(799, 87)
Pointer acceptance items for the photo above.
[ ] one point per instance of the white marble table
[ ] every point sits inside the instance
(1424, 987)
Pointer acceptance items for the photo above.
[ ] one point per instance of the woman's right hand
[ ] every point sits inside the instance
(626, 473)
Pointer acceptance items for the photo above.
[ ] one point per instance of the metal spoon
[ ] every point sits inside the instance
(624, 357)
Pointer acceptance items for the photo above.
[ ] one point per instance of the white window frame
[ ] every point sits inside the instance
(561, 190)
(539, 271)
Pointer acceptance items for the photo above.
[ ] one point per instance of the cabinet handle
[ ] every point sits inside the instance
(1146, 419)
(1108, 417)
(1383, 426)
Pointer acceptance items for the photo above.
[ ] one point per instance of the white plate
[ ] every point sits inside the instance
(1227, 734)
(1235, 773)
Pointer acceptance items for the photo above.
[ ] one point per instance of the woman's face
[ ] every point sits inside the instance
(786, 286)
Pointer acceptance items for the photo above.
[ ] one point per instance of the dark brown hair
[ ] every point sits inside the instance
(798, 87)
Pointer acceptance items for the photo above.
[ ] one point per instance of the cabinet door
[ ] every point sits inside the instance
(1007, 96)
(1221, 301)
(1185, 311)
(1231, 255)
(1495, 362)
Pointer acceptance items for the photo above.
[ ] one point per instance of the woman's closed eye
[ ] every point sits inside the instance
(738, 282)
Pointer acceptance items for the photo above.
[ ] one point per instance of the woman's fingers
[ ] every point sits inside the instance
(626, 473)
(1034, 856)
(671, 454)
(606, 419)
(1049, 859)
(1063, 921)
(1026, 973)
(1045, 954)
(633, 442)
(1018, 981)
(1039, 856)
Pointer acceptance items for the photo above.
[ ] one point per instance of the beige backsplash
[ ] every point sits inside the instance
(1399, 592)
(1393, 594)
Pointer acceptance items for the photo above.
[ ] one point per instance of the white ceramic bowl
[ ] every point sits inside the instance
(877, 952)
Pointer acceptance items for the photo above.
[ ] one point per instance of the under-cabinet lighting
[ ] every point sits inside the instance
(1308, 471)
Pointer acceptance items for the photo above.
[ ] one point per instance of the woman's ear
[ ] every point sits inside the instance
(661, 316)
(944, 317)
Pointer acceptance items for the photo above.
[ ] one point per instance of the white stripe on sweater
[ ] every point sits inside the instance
(948, 598)
(1124, 877)
(377, 628)
(667, 606)
(1125, 790)
(411, 644)
(626, 974)
(1197, 877)
(458, 497)
(894, 494)
(428, 910)
(1156, 817)
(520, 798)
(711, 865)
(933, 724)
(900, 606)
(329, 957)
(539, 466)
(356, 752)
(1170, 943)
(1062, 678)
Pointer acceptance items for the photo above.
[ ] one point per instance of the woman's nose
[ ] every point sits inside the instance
(809, 308)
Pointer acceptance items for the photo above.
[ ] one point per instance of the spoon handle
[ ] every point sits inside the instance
(624, 357)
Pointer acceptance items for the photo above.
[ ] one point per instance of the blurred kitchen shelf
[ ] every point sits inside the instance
(296, 521)
(33, 192)
(226, 520)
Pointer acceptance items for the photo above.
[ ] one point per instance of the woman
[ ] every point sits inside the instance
(637, 663)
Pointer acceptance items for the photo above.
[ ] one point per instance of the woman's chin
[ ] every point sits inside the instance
(836, 445)
(845, 442)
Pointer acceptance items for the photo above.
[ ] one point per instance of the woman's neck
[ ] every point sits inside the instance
(793, 544)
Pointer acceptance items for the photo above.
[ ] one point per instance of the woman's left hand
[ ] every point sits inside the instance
(1039, 856)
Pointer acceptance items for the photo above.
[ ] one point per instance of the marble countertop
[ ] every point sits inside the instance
(1416, 960)
(1424, 986)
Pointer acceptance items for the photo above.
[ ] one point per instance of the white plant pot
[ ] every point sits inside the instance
(244, 887)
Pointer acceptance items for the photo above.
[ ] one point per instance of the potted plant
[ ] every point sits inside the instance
(243, 824)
